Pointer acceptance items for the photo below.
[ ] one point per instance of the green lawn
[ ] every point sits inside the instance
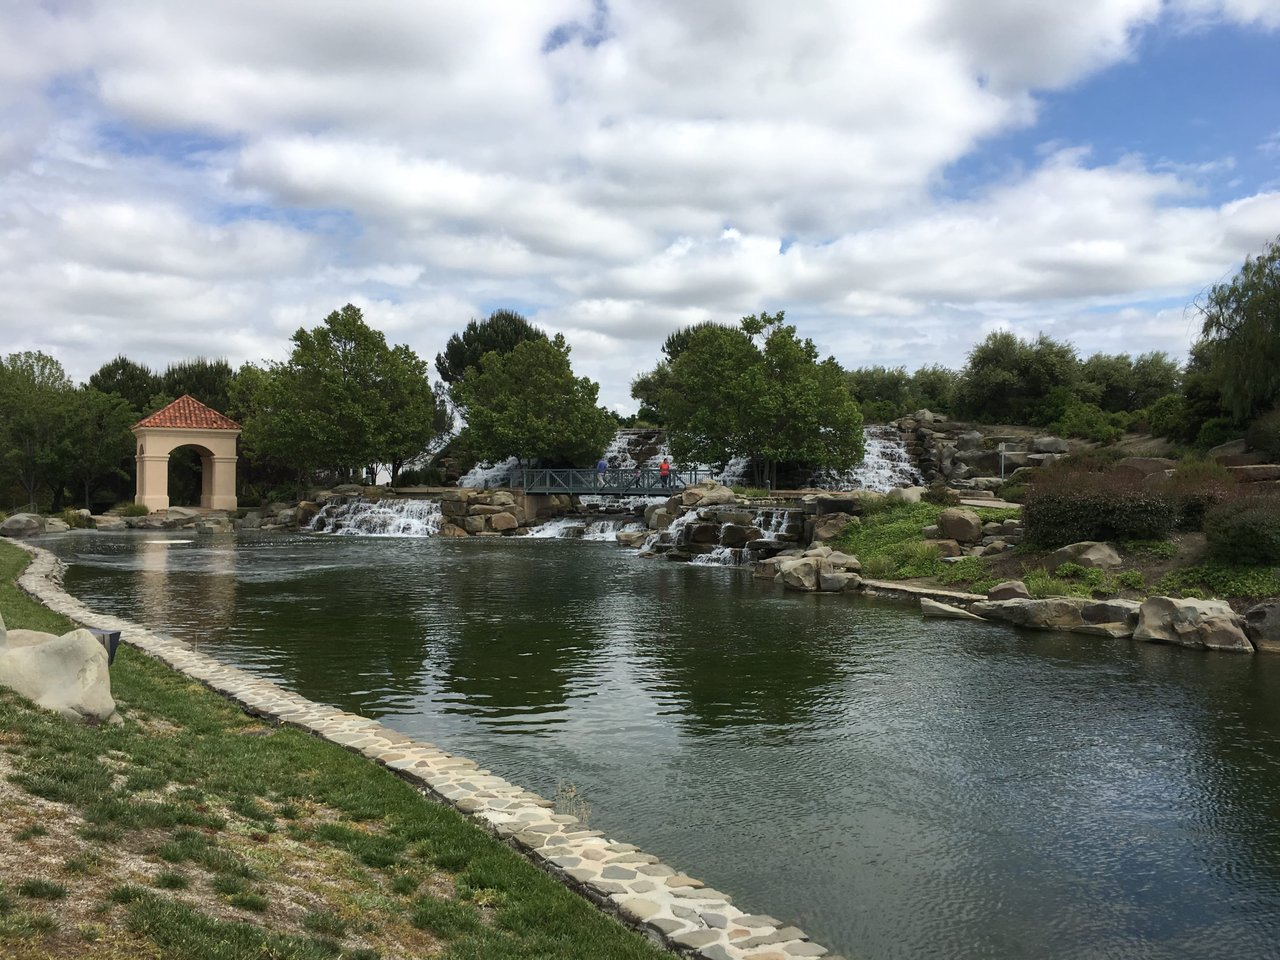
(194, 831)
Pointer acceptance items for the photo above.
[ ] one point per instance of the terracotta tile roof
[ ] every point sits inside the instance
(188, 413)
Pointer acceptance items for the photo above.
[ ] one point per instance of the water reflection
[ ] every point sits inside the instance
(902, 788)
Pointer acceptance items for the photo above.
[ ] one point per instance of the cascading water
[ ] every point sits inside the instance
(577, 528)
(385, 518)
(484, 475)
(719, 557)
(886, 465)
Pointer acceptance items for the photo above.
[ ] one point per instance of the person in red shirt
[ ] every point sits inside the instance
(664, 472)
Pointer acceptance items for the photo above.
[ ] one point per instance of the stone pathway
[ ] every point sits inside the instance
(673, 909)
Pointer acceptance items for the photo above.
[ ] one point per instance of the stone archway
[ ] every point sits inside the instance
(187, 423)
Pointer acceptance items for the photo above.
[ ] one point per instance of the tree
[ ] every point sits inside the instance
(134, 382)
(1119, 383)
(344, 401)
(209, 381)
(883, 393)
(722, 395)
(502, 332)
(96, 439)
(33, 405)
(1010, 380)
(526, 403)
(1241, 320)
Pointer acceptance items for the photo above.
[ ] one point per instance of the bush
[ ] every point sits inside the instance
(939, 494)
(1215, 431)
(74, 519)
(133, 510)
(1090, 422)
(1167, 417)
(420, 477)
(1263, 435)
(1070, 505)
(1196, 486)
(1245, 530)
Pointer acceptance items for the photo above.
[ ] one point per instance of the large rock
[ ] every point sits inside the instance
(659, 519)
(946, 548)
(1203, 624)
(112, 524)
(1053, 613)
(56, 525)
(956, 523)
(1086, 553)
(473, 524)
(837, 580)
(706, 493)
(970, 440)
(634, 538)
(1049, 445)
(1232, 448)
(181, 515)
(932, 608)
(1262, 624)
(737, 535)
(1258, 473)
(67, 673)
(1112, 611)
(1147, 465)
(802, 573)
(842, 561)
(1009, 590)
(22, 525)
(905, 494)
(451, 530)
(503, 521)
(830, 526)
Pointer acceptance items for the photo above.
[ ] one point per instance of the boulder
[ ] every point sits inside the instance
(503, 521)
(1037, 460)
(67, 673)
(451, 530)
(56, 525)
(706, 493)
(1112, 611)
(660, 519)
(1258, 473)
(1053, 613)
(484, 509)
(1049, 445)
(633, 538)
(931, 608)
(1086, 553)
(1009, 590)
(959, 524)
(819, 550)
(767, 569)
(1203, 624)
(181, 515)
(22, 525)
(473, 524)
(837, 580)
(736, 535)
(970, 440)
(456, 495)
(946, 548)
(110, 524)
(1232, 448)
(830, 526)
(502, 498)
(1262, 625)
(1147, 465)
(150, 522)
(1116, 631)
(842, 561)
(850, 504)
(905, 494)
(349, 490)
(801, 573)
(307, 510)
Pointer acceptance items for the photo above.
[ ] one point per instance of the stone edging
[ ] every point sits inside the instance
(904, 591)
(673, 909)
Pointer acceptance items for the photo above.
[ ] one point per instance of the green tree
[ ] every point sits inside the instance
(502, 332)
(1011, 380)
(526, 403)
(343, 402)
(933, 387)
(208, 381)
(756, 391)
(96, 440)
(134, 382)
(883, 393)
(34, 391)
(1241, 321)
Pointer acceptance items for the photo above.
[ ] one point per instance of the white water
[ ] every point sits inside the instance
(771, 523)
(719, 557)
(484, 475)
(886, 465)
(568, 527)
(379, 518)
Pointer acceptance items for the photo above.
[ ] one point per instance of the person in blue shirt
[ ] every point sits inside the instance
(602, 467)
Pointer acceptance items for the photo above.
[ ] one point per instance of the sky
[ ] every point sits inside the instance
(182, 179)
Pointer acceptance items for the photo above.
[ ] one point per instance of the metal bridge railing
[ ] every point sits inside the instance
(619, 482)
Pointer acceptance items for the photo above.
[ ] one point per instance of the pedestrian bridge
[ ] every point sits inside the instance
(614, 482)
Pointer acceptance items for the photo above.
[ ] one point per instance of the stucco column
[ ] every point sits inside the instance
(206, 481)
(153, 481)
(222, 487)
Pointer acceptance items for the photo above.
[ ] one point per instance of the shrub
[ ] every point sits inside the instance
(420, 477)
(1245, 530)
(1167, 417)
(1070, 505)
(74, 519)
(1263, 435)
(939, 494)
(879, 567)
(134, 510)
(1216, 430)
(1197, 485)
(1090, 422)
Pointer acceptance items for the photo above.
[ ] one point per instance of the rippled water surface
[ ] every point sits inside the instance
(898, 787)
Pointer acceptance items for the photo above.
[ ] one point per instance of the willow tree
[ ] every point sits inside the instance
(1241, 327)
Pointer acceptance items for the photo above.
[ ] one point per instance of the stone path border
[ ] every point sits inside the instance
(905, 591)
(671, 908)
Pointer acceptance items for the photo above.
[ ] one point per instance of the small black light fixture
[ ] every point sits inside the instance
(110, 639)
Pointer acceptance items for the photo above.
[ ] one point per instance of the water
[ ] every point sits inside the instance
(886, 465)
(391, 518)
(898, 787)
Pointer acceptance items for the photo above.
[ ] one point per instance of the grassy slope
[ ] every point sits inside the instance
(193, 831)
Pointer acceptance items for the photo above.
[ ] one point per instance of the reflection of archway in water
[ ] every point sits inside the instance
(187, 423)
(174, 580)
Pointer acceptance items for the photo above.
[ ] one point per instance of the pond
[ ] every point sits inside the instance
(897, 787)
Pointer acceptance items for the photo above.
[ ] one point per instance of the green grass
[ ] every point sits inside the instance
(1216, 579)
(889, 544)
(971, 572)
(1150, 549)
(42, 890)
(30, 833)
(385, 834)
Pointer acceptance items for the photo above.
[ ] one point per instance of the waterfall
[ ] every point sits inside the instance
(719, 557)
(380, 518)
(771, 523)
(886, 465)
(484, 475)
(578, 528)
